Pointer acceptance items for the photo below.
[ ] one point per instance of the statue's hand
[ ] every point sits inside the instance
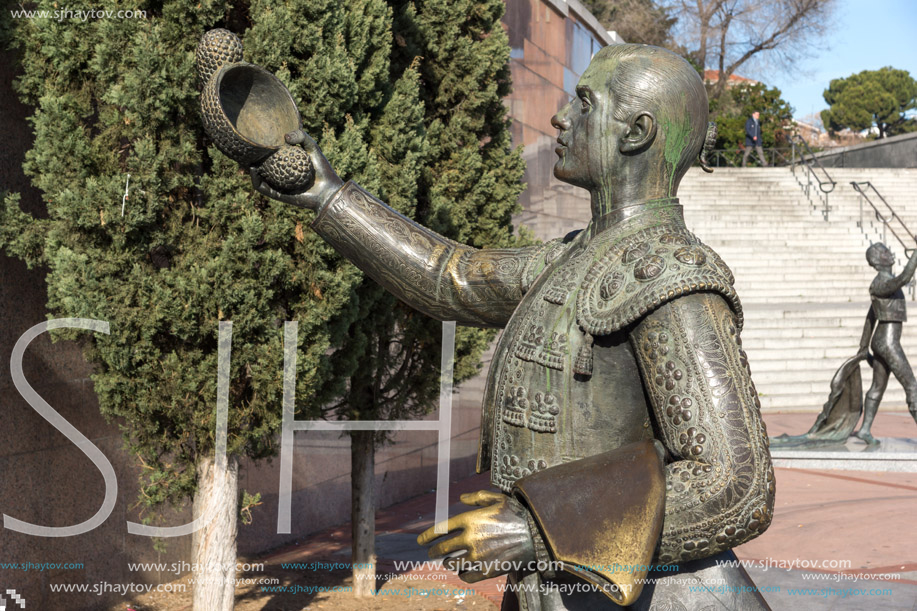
(496, 534)
(326, 181)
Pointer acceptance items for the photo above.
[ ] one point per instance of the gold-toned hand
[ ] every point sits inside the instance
(496, 537)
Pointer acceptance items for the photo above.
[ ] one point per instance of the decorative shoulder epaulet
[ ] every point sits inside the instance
(545, 254)
(645, 270)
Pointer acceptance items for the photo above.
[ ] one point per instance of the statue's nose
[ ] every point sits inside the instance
(560, 122)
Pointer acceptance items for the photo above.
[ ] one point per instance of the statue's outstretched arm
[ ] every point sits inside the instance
(441, 278)
(886, 288)
(719, 477)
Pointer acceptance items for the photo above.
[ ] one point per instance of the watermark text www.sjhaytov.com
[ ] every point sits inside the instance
(39, 566)
(84, 15)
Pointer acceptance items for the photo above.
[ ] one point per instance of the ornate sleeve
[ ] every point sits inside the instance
(719, 477)
(441, 278)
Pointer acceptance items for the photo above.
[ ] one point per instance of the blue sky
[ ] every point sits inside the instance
(868, 35)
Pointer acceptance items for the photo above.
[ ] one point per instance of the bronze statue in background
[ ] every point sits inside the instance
(882, 333)
(620, 422)
(886, 316)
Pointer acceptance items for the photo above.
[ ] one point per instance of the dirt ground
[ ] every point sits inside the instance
(398, 593)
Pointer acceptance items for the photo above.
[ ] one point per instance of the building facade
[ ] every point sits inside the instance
(552, 43)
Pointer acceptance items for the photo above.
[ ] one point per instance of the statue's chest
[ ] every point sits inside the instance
(555, 393)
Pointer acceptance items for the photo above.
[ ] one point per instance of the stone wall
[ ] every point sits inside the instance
(895, 152)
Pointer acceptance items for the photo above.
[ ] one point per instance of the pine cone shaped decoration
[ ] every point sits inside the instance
(217, 48)
(289, 170)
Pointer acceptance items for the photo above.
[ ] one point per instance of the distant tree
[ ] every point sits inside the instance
(640, 21)
(880, 98)
(726, 34)
(733, 109)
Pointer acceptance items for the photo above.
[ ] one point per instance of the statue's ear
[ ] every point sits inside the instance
(641, 130)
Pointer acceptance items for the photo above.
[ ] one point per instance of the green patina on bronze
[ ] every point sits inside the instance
(677, 130)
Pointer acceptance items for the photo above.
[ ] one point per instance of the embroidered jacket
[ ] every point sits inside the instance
(625, 332)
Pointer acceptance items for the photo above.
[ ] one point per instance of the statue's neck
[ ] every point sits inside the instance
(631, 210)
(605, 200)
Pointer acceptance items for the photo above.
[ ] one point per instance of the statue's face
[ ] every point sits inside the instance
(880, 255)
(588, 131)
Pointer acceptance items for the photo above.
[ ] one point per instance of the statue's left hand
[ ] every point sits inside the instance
(497, 533)
(326, 183)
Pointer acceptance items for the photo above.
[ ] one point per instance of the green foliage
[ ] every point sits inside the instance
(880, 98)
(734, 108)
(463, 181)
(413, 114)
(246, 503)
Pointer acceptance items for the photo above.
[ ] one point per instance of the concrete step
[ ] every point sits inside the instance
(841, 339)
(758, 316)
(764, 296)
(760, 275)
(776, 226)
(807, 402)
(767, 378)
(756, 333)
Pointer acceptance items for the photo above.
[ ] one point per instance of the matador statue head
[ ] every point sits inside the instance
(637, 123)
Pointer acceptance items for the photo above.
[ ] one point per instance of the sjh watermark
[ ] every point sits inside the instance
(13, 598)
(83, 15)
(290, 330)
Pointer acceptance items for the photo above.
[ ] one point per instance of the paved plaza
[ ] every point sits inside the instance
(840, 540)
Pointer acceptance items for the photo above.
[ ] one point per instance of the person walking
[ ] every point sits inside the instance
(753, 139)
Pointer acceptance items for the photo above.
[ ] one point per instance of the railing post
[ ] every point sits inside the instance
(860, 222)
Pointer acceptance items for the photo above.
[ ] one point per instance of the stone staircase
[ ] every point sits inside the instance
(803, 281)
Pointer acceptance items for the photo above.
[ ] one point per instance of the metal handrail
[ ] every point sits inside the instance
(825, 183)
(886, 220)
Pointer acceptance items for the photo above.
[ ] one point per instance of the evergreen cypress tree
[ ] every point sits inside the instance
(466, 186)
(413, 114)
(194, 246)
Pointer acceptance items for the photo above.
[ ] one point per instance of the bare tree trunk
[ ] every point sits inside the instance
(363, 511)
(213, 547)
(722, 73)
